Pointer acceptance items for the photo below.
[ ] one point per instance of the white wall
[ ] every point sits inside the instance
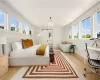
(57, 35)
(80, 43)
(7, 33)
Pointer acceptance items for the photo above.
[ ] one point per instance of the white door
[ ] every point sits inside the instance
(45, 36)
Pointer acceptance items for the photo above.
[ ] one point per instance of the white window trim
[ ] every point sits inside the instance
(5, 15)
(16, 20)
(90, 28)
(71, 33)
(7, 26)
(78, 32)
(28, 30)
(93, 17)
(95, 32)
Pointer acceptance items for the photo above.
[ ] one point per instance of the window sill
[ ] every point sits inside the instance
(80, 39)
(3, 29)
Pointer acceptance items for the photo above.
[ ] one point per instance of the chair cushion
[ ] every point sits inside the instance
(95, 63)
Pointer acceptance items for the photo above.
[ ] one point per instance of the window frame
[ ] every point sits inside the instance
(80, 28)
(69, 32)
(19, 24)
(5, 19)
(85, 30)
(74, 30)
(6, 25)
(96, 24)
(28, 29)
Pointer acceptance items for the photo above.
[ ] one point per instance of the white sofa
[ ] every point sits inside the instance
(64, 47)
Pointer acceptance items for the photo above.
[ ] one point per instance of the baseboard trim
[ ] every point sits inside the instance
(18, 66)
(82, 59)
(79, 57)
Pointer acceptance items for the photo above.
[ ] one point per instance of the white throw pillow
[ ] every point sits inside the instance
(17, 46)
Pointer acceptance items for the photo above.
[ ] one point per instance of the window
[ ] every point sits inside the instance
(2, 17)
(98, 24)
(86, 28)
(70, 33)
(14, 25)
(25, 29)
(76, 32)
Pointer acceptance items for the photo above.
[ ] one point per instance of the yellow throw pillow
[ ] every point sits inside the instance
(30, 41)
(27, 43)
(41, 50)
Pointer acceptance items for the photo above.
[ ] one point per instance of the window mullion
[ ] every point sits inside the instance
(80, 31)
(85, 28)
(72, 32)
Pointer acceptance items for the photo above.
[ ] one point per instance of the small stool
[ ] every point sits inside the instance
(51, 53)
(72, 47)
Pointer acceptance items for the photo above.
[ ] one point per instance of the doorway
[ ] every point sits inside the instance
(47, 37)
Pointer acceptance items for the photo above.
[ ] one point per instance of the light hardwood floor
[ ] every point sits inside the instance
(80, 65)
(13, 70)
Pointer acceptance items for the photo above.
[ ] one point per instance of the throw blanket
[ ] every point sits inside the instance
(41, 50)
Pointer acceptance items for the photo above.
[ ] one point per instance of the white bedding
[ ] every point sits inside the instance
(29, 52)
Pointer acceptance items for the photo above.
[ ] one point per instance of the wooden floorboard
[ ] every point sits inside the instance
(80, 65)
(11, 72)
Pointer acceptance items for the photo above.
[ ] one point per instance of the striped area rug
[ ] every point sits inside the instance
(60, 68)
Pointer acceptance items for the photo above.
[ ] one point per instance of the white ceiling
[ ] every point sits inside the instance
(62, 11)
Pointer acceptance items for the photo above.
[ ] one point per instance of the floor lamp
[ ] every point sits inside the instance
(2, 42)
